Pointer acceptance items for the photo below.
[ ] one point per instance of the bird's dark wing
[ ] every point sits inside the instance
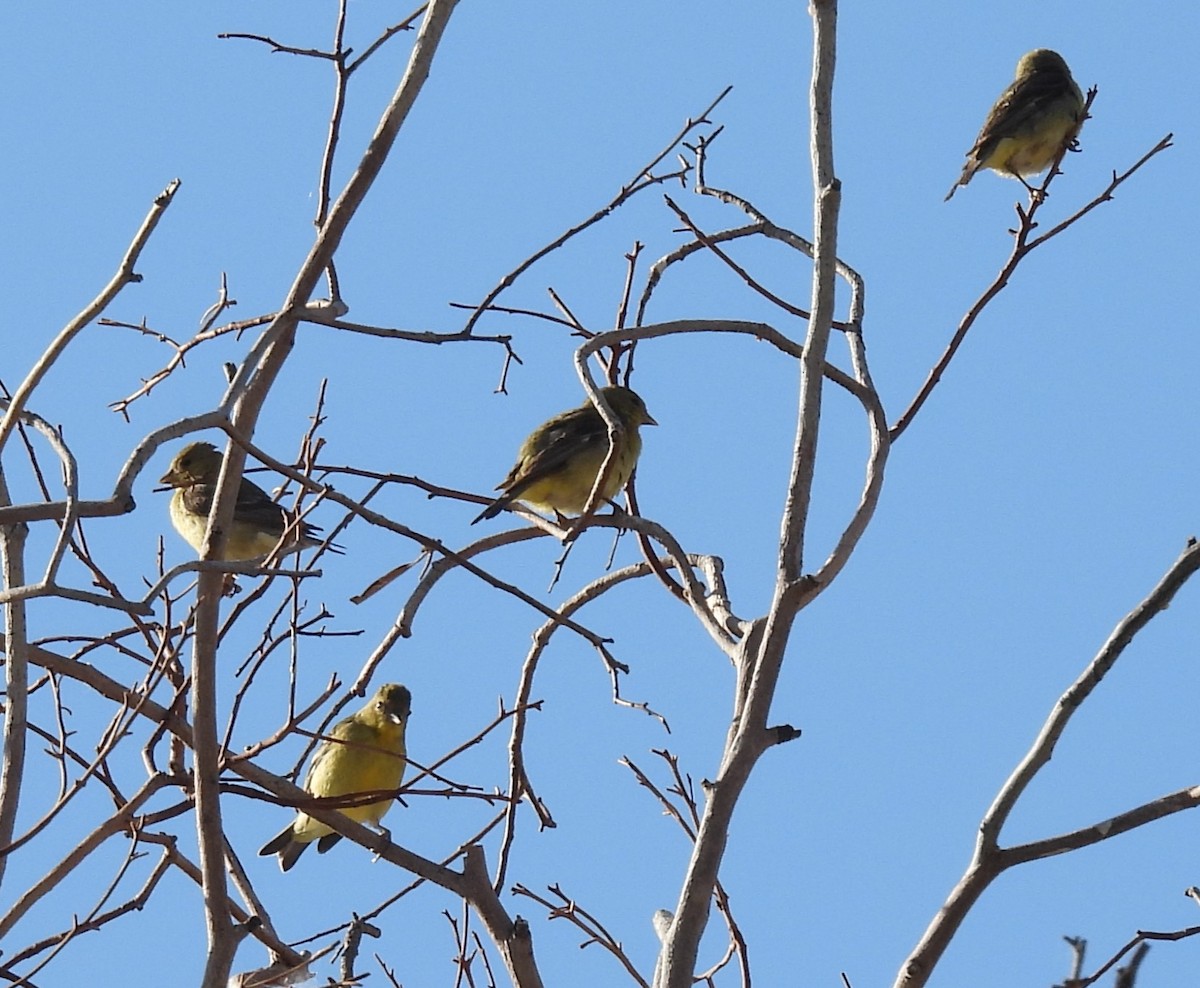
(256, 508)
(553, 445)
(1022, 102)
(253, 506)
(549, 447)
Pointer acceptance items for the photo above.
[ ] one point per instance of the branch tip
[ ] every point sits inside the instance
(783, 734)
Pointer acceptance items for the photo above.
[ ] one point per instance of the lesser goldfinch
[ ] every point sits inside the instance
(258, 522)
(363, 754)
(558, 463)
(1030, 122)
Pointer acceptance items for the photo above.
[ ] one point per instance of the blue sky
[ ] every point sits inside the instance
(1038, 497)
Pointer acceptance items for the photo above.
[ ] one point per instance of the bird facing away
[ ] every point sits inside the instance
(363, 754)
(258, 522)
(558, 463)
(1030, 122)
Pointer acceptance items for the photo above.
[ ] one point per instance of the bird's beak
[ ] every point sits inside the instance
(167, 478)
(649, 420)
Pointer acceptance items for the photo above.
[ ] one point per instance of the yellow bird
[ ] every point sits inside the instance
(258, 522)
(363, 754)
(1031, 121)
(558, 463)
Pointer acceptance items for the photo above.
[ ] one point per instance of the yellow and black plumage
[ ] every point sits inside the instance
(559, 461)
(363, 754)
(258, 522)
(1031, 121)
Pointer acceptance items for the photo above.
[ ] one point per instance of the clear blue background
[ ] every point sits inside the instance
(1038, 497)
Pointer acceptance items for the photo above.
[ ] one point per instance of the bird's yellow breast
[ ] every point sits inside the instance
(1031, 152)
(362, 765)
(188, 524)
(566, 490)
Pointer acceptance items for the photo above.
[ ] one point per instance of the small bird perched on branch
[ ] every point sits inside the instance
(363, 754)
(1031, 121)
(559, 462)
(258, 522)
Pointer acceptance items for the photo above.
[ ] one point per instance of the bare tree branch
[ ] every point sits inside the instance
(989, 859)
(125, 275)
